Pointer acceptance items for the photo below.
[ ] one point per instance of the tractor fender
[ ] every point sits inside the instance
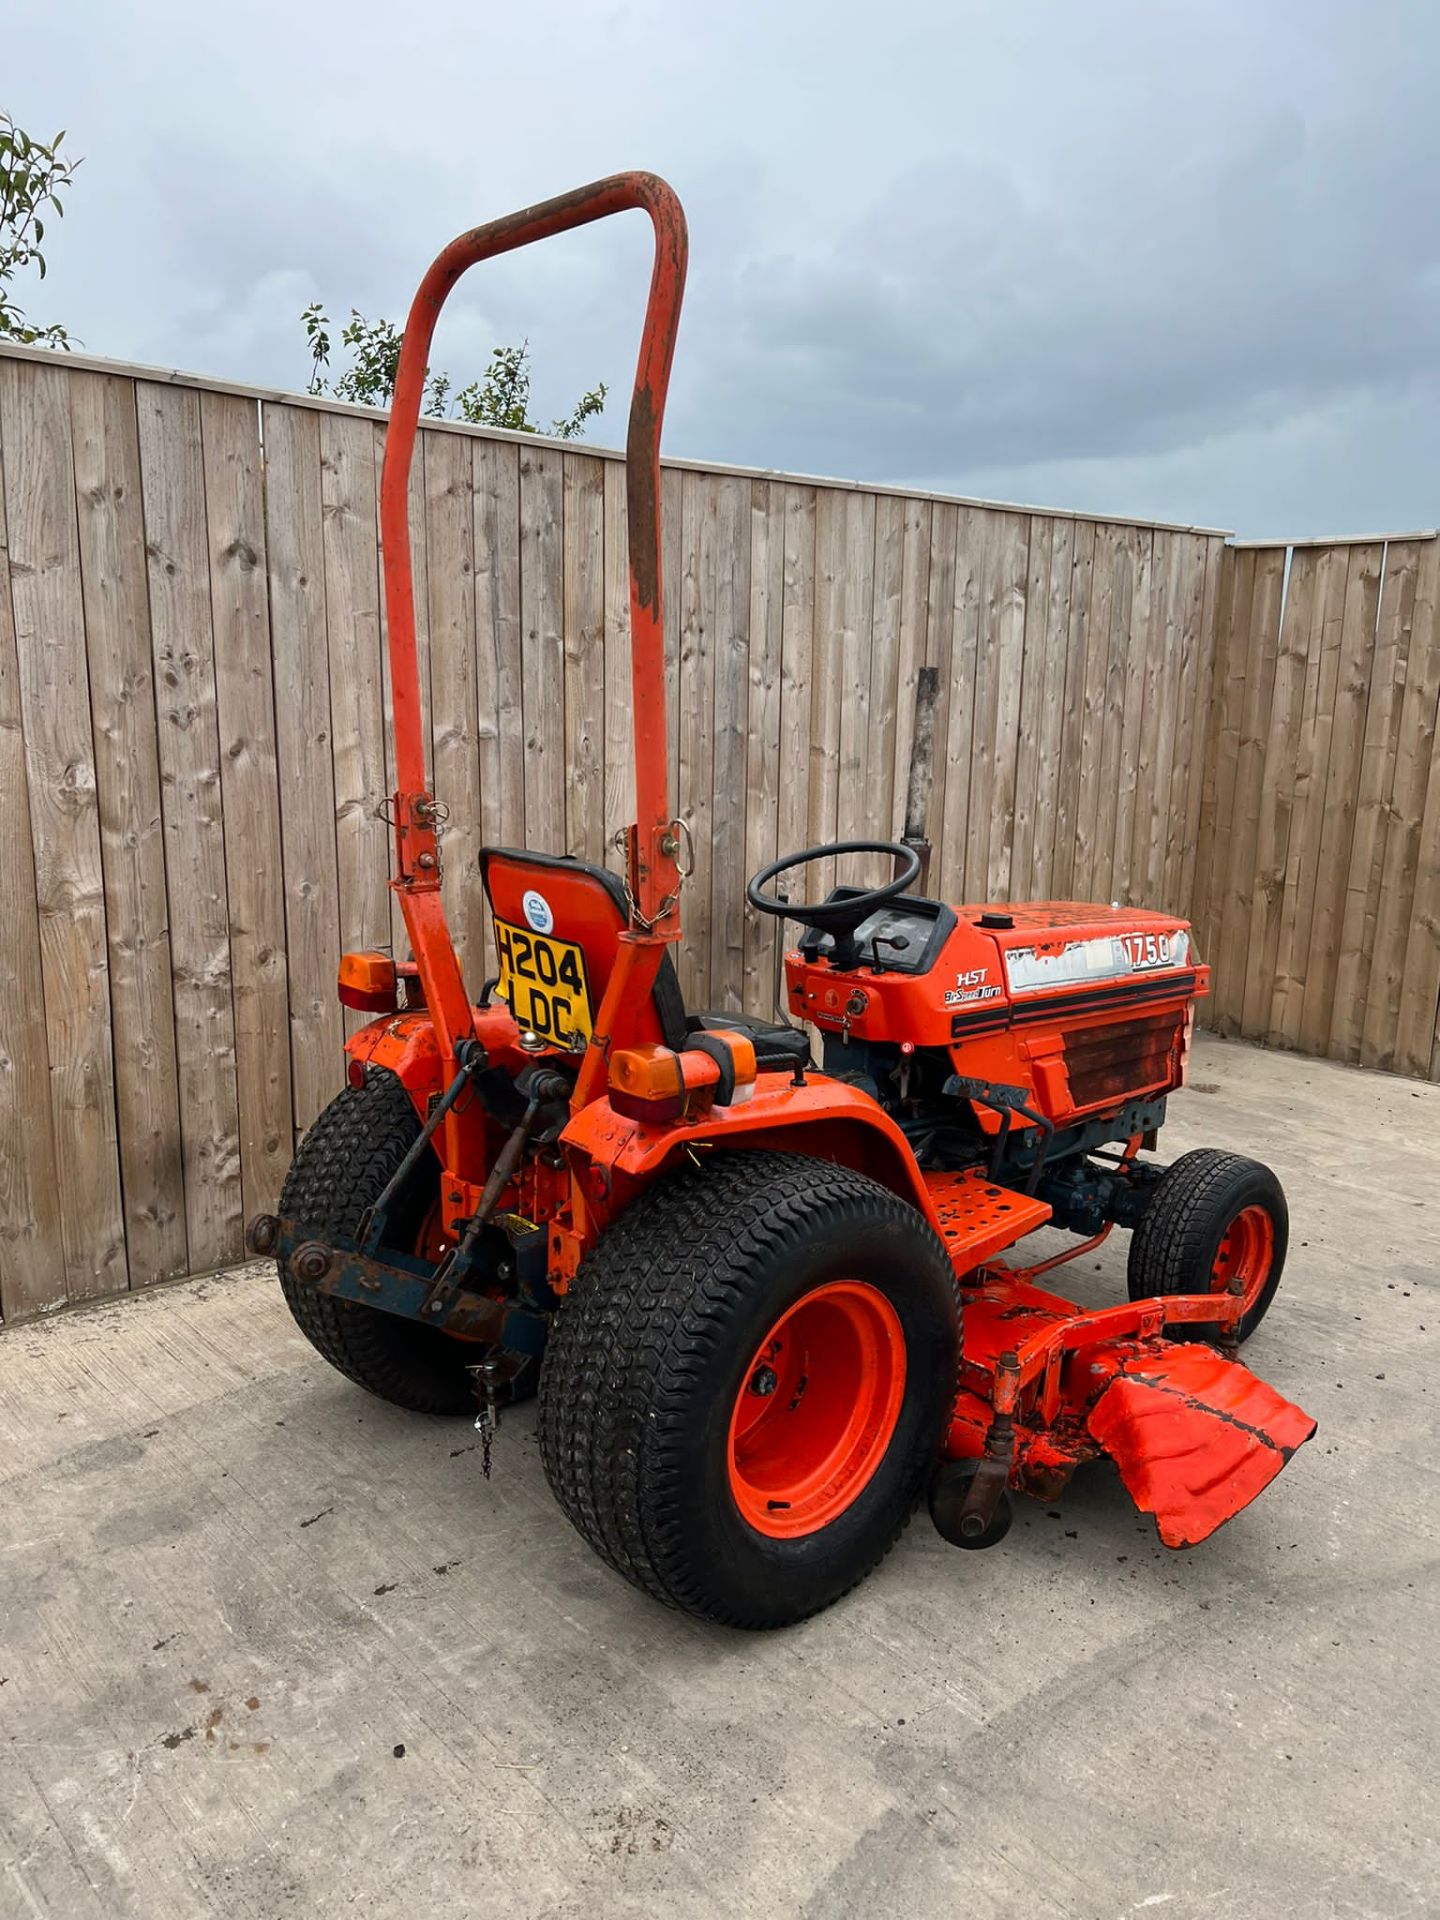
(824, 1119)
(406, 1044)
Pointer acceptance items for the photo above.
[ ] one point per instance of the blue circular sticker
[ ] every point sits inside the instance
(537, 911)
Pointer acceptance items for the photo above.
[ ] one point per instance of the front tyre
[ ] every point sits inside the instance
(746, 1385)
(1213, 1217)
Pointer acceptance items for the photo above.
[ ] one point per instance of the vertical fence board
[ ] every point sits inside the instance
(1417, 1023)
(910, 649)
(499, 731)
(699, 507)
(1063, 883)
(1042, 704)
(32, 1259)
(348, 508)
(295, 549)
(1317, 584)
(1116, 733)
(584, 631)
(1414, 764)
(1221, 937)
(454, 692)
(619, 730)
(49, 622)
(826, 670)
(499, 668)
(977, 668)
(887, 613)
(1089, 772)
(675, 564)
(1242, 876)
(797, 644)
(1373, 800)
(1196, 668)
(542, 602)
(183, 647)
(420, 603)
(958, 634)
(127, 777)
(249, 789)
(940, 616)
(1203, 857)
(1007, 618)
(1155, 746)
(761, 935)
(1137, 667)
(857, 719)
(1214, 601)
(1418, 1000)
(1275, 721)
(731, 724)
(1352, 686)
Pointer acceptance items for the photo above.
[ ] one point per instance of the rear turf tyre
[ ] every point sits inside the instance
(1212, 1215)
(746, 1385)
(342, 1167)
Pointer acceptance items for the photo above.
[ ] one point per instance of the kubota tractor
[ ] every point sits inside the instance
(759, 1292)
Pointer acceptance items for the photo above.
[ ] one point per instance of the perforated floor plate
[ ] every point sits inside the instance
(979, 1219)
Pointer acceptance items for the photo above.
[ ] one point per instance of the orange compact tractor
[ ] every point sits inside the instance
(760, 1293)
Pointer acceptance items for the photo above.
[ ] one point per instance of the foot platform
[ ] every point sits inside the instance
(979, 1219)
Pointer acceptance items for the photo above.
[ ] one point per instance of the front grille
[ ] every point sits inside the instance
(1122, 1058)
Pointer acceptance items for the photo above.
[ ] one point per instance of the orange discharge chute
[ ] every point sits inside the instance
(1196, 1437)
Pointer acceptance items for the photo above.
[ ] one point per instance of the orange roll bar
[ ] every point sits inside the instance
(653, 872)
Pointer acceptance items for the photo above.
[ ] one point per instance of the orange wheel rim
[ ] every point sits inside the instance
(432, 1243)
(817, 1409)
(1248, 1250)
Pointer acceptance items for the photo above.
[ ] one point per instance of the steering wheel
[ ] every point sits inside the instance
(839, 918)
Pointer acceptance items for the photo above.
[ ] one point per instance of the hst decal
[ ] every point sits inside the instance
(972, 987)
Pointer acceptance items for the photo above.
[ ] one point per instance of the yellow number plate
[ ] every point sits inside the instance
(543, 979)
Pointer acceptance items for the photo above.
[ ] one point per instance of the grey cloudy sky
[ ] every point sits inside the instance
(1130, 256)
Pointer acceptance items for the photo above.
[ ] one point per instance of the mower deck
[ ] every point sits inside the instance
(1046, 1386)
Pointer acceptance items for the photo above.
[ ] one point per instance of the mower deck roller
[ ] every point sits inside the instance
(760, 1292)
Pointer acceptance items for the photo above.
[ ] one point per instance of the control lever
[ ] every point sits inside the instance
(899, 941)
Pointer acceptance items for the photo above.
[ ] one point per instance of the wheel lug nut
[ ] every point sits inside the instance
(763, 1381)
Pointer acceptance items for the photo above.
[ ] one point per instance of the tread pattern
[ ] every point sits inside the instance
(1173, 1247)
(643, 1316)
(342, 1166)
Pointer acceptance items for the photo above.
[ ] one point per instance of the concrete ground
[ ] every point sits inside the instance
(269, 1647)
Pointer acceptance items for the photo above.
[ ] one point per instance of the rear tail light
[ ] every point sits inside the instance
(367, 982)
(716, 1069)
(647, 1083)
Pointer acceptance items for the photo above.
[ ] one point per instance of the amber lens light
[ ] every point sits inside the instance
(647, 1083)
(367, 982)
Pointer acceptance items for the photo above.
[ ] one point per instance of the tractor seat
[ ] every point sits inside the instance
(778, 1049)
(586, 904)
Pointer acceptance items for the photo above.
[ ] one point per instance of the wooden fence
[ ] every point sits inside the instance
(1318, 885)
(193, 751)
